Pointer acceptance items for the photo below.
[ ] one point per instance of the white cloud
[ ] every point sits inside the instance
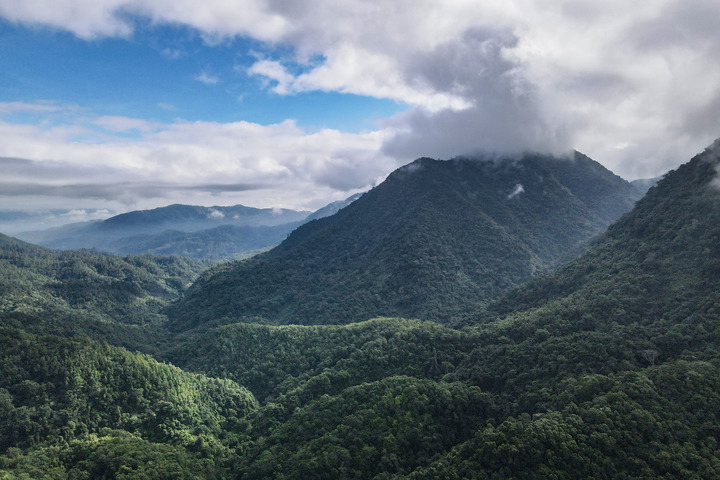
(7, 108)
(634, 85)
(185, 162)
(124, 124)
(516, 191)
(274, 71)
(84, 215)
(206, 78)
(216, 214)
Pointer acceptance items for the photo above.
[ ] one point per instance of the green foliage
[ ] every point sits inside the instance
(115, 299)
(298, 363)
(390, 426)
(552, 381)
(560, 363)
(435, 240)
(55, 389)
(115, 455)
(657, 423)
(650, 283)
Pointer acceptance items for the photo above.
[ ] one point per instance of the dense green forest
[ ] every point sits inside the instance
(607, 368)
(64, 388)
(434, 240)
(116, 299)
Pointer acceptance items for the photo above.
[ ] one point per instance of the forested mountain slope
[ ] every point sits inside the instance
(571, 350)
(435, 239)
(115, 299)
(297, 363)
(609, 368)
(55, 390)
(218, 244)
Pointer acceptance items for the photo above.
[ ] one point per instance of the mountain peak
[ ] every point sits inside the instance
(435, 238)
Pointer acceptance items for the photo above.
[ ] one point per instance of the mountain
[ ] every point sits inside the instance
(332, 208)
(182, 218)
(191, 218)
(614, 358)
(64, 392)
(642, 185)
(213, 233)
(607, 368)
(224, 243)
(115, 299)
(663, 253)
(435, 239)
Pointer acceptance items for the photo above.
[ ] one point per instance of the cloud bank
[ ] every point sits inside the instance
(635, 86)
(184, 162)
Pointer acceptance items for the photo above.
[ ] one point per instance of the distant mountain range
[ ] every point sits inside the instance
(435, 239)
(215, 233)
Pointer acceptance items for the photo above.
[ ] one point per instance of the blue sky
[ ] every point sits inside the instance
(113, 105)
(163, 73)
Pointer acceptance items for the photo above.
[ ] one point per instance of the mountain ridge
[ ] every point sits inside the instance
(216, 233)
(432, 231)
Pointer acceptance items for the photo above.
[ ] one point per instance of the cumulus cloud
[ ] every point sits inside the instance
(184, 162)
(207, 79)
(275, 72)
(633, 85)
(506, 115)
(28, 107)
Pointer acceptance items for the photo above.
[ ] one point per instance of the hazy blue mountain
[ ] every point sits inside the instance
(224, 243)
(642, 185)
(332, 208)
(214, 233)
(190, 218)
(183, 218)
(435, 239)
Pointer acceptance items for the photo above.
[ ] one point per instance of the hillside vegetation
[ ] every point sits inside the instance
(607, 368)
(434, 240)
(116, 299)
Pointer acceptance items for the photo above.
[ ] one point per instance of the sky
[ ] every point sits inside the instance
(114, 105)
